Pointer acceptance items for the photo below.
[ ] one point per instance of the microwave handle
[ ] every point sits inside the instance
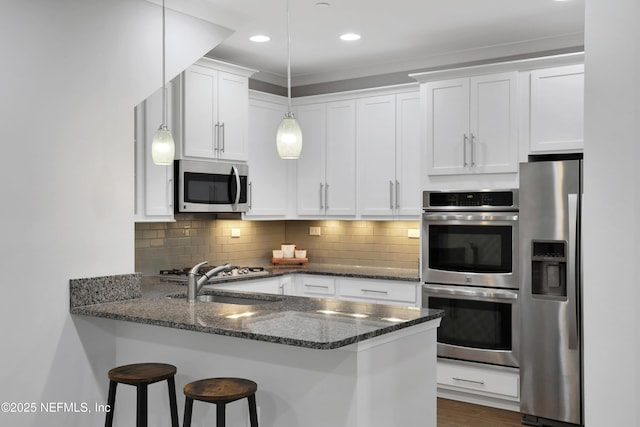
(236, 174)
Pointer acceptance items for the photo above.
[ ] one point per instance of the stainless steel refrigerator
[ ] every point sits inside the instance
(550, 291)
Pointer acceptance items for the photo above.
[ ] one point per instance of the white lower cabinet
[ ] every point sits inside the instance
(392, 292)
(282, 285)
(489, 385)
(309, 285)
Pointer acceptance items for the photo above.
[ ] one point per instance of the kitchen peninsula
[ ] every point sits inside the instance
(317, 362)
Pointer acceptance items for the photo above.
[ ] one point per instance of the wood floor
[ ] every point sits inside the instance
(452, 413)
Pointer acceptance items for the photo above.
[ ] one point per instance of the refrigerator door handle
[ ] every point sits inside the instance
(572, 306)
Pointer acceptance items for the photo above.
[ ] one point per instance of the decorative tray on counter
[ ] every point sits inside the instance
(291, 261)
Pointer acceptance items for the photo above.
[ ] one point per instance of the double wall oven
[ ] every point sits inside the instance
(470, 270)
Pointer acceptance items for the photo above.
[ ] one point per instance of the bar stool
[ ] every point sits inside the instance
(141, 375)
(220, 391)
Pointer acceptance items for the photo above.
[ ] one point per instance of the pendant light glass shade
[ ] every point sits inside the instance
(163, 148)
(289, 135)
(289, 138)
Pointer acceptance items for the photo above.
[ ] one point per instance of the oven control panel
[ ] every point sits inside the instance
(504, 200)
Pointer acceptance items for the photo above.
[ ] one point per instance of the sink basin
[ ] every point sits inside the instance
(234, 299)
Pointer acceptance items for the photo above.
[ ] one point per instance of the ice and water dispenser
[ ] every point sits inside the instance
(549, 268)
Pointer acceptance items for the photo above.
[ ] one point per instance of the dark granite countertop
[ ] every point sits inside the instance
(306, 322)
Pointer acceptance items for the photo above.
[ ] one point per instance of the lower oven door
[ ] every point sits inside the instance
(479, 324)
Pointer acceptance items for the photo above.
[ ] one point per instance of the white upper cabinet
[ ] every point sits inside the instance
(268, 173)
(154, 183)
(388, 161)
(215, 111)
(408, 155)
(326, 177)
(557, 109)
(471, 125)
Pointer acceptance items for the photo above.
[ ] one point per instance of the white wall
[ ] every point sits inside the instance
(612, 208)
(71, 72)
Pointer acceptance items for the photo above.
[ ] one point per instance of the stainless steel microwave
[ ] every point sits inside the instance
(208, 186)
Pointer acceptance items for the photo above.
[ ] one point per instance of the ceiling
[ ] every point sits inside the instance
(398, 35)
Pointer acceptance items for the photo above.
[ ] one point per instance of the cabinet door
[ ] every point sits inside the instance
(311, 164)
(447, 126)
(557, 109)
(493, 143)
(268, 195)
(376, 134)
(340, 174)
(200, 112)
(308, 285)
(154, 183)
(233, 110)
(408, 155)
(377, 291)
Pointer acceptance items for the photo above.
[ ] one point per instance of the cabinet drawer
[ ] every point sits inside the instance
(381, 290)
(316, 286)
(481, 379)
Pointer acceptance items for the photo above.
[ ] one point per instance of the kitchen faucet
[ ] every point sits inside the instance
(195, 284)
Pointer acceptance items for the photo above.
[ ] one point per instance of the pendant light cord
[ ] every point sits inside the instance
(288, 59)
(164, 84)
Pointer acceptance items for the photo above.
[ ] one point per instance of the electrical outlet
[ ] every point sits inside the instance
(314, 231)
(413, 233)
(235, 232)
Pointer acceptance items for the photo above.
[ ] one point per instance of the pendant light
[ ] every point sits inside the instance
(162, 146)
(289, 135)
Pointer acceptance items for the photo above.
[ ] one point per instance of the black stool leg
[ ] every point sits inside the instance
(172, 402)
(141, 410)
(220, 414)
(188, 408)
(111, 403)
(253, 413)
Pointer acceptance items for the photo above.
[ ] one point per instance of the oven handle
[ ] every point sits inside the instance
(463, 291)
(485, 216)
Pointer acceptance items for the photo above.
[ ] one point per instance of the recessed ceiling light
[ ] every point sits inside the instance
(349, 37)
(259, 38)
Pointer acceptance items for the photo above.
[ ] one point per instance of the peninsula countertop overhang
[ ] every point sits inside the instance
(299, 321)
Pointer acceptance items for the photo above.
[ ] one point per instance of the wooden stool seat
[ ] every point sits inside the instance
(141, 375)
(220, 391)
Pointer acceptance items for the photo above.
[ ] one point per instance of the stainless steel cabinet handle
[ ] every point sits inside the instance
(321, 196)
(375, 291)
(464, 151)
(397, 194)
(473, 151)
(250, 185)
(391, 194)
(316, 286)
(326, 196)
(169, 195)
(468, 381)
(216, 135)
(223, 139)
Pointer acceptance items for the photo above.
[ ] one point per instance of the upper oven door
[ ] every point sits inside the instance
(467, 248)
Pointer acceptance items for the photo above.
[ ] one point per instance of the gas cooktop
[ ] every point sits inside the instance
(180, 274)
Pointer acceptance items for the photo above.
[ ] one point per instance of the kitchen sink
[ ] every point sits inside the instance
(234, 299)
